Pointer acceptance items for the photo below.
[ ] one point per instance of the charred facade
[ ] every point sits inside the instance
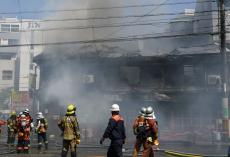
(184, 89)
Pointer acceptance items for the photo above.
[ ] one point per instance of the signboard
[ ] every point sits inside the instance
(20, 100)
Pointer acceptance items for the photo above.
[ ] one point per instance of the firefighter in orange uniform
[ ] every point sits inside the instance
(23, 129)
(139, 130)
(2, 122)
(151, 139)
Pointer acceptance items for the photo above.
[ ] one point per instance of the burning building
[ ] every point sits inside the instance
(180, 79)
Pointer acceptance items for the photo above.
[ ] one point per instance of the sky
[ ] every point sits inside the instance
(22, 5)
(35, 5)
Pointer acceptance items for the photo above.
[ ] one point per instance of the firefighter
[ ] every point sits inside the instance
(70, 130)
(2, 122)
(115, 131)
(139, 129)
(23, 129)
(151, 139)
(27, 114)
(41, 129)
(12, 128)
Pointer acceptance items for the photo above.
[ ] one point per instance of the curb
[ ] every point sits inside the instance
(181, 154)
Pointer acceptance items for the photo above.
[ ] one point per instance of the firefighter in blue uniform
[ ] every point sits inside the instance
(115, 131)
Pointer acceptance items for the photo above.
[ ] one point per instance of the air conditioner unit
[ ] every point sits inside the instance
(214, 80)
(88, 79)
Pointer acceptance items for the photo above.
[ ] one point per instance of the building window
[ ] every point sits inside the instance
(188, 70)
(7, 75)
(5, 27)
(3, 41)
(12, 41)
(14, 28)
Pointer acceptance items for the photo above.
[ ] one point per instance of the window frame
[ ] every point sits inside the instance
(7, 75)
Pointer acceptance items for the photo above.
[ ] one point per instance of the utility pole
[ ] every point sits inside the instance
(225, 112)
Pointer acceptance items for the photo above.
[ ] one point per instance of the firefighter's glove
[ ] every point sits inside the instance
(102, 140)
(156, 142)
(20, 134)
(78, 141)
(150, 139)
(135, 131)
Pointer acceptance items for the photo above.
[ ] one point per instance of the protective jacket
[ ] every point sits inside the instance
(70, 127)
(12, 124)
(152, 128)
(115, 129)
(139, 126)
(41, 125)
(2, 122)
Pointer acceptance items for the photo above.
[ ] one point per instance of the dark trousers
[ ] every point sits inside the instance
(69, 144)
(42, 138)
(23, 145)
(115, 149)
(11, 137)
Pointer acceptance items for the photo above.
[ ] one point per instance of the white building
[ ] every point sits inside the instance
(15, 59)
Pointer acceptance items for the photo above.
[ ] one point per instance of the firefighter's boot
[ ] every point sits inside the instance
(73, 154)
(39, 146)
(135, 152)
(46, 145)
(64, 153)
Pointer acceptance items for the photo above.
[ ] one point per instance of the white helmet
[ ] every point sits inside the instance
(27, 111)
(40, 115)
(23, 116)
(115, 107)
(20, 113)
(143, 111)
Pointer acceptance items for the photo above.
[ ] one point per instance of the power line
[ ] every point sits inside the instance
(105, 8)
(141, 35)
(169, 32)
(121, 39)
(113, 26)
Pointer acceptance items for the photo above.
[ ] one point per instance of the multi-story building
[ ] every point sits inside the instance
(9, 35)
(16, 53)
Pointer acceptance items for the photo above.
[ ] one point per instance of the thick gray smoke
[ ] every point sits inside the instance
(65, 83)
(67, 29)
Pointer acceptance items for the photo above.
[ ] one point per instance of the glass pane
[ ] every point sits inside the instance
(7, 75)
(4, 41)
(14, 28)
(12, 41)
(5, 28)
